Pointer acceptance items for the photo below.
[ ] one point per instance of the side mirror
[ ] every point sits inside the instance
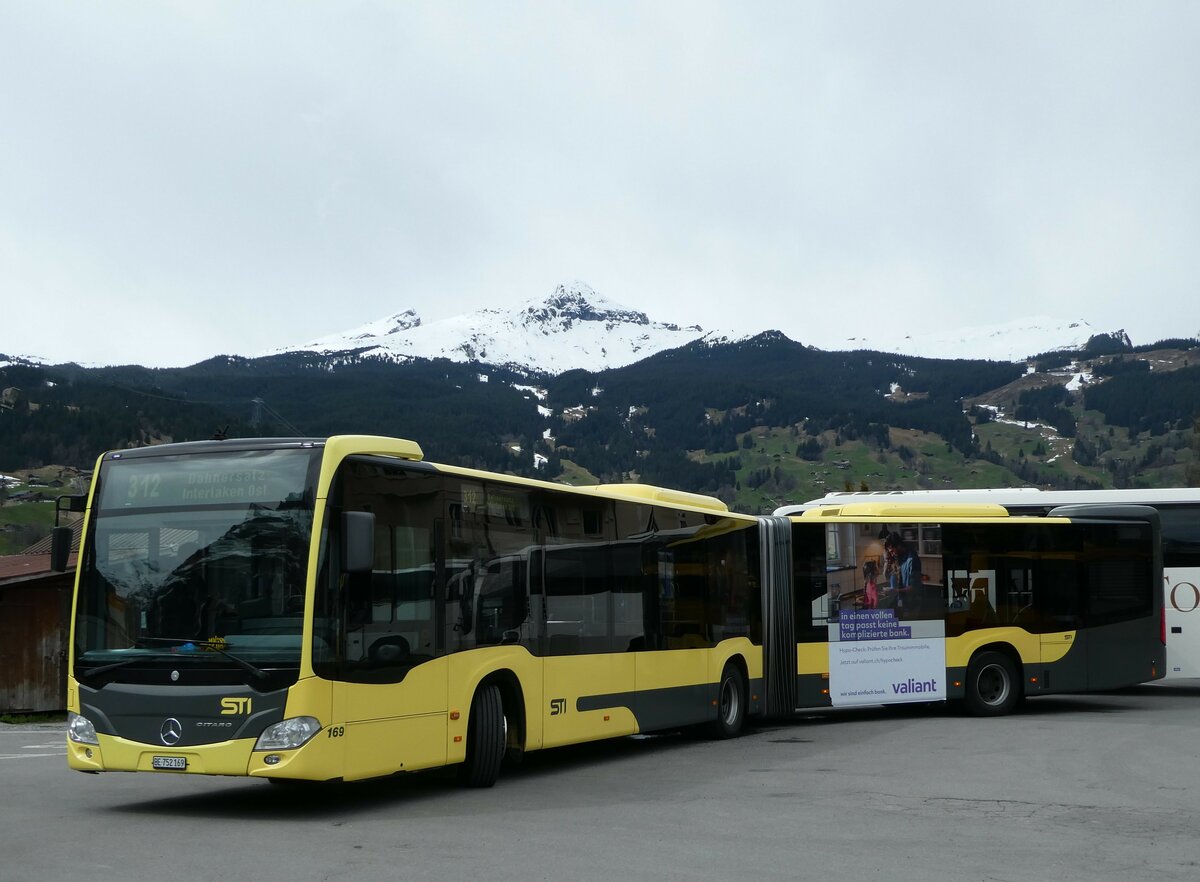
(65, 503)
(60, 548)
(358, 541)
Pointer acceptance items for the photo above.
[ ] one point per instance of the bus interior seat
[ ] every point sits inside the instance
(388, 650)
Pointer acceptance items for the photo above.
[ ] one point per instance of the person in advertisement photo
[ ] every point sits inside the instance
(905, 586)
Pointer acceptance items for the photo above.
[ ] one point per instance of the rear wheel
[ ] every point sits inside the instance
(992, 685)
(731, 703)
(485, 738)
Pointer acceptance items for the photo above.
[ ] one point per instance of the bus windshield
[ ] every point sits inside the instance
(196, 561)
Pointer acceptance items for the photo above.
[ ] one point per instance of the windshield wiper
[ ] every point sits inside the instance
(104, 669)
(205, 646)
(147, 643)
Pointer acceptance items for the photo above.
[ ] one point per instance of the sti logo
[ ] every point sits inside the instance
(230, 706)
(558, 706)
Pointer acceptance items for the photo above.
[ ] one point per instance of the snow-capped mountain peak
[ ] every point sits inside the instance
(577, 302)
(572, 328)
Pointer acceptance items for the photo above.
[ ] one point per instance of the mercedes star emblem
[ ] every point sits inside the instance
(171, 732)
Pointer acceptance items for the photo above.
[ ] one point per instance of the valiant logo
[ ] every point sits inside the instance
(911, 686)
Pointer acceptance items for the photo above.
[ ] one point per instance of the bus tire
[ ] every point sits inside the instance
(485, 738)
(993, 688)
(731, 703)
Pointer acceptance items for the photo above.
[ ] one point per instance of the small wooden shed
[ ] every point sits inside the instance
(35, 612)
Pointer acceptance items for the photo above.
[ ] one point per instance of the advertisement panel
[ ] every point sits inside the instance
(874, 658)
(887, 636)
(1182, 605)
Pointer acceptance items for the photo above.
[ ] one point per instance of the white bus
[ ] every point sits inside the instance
(1179, 509)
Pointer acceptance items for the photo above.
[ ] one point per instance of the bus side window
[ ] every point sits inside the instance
(578, 618)
(1057, 594)
(492, 537)
(1180, 535)
(501, 600)
(1119, 587)
(390, 613)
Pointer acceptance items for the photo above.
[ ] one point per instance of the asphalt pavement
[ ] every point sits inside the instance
(1069, 788)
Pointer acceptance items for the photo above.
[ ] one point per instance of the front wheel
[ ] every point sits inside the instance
(992, 685)
(731, 703)
(486, 738)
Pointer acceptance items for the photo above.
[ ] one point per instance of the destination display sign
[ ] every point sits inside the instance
(256, 477)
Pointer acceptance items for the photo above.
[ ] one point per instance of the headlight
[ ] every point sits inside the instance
(288, 734)
(80, 729)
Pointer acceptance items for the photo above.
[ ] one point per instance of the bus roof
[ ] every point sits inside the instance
(1010, 497)
(341, 446)
(905, 511)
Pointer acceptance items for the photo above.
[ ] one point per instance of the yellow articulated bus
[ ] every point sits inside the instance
(340, 609)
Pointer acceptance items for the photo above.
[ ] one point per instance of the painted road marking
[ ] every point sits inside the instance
(59, 749)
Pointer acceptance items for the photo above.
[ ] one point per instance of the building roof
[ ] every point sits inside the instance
(42, 546)
(23, 567)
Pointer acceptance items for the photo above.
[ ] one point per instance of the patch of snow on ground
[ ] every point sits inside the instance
(545, 411)
(539, 394)
(1078, 381)
(1025, 424)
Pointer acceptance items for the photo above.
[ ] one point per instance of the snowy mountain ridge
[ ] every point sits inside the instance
(573, 328)
(1015, 340)
(577, 328)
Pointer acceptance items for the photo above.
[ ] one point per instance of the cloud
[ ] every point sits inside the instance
(182, 180)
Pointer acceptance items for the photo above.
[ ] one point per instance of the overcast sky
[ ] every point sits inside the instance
(179, 180)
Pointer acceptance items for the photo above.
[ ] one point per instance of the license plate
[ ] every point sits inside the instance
(176, 763)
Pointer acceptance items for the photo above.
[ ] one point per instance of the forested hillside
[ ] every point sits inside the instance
(69, 414)
(759, 422)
